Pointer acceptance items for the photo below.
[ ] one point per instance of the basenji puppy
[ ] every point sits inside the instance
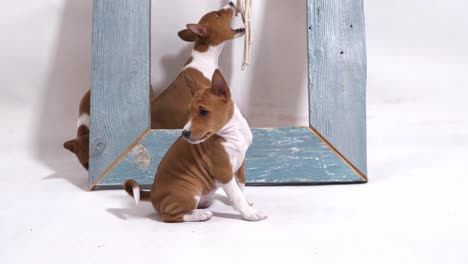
(209, 37)
(209, 154)
(80, 145)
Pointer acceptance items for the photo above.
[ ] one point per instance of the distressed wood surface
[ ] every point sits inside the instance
(277, 156)
(337, 76)
(120, 80)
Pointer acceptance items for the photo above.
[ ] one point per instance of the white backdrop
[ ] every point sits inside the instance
(415, 202)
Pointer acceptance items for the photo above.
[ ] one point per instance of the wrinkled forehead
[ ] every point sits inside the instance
(212, 15)
(207, 16)
(203, 97)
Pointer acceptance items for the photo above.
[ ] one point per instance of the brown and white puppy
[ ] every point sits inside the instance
(209, 37)
(209, 154)
(80, 145)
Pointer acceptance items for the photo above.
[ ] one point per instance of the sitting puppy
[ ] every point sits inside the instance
(209, 154)
(209, 35)
(80, 145)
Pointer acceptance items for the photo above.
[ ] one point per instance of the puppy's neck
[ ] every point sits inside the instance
(238, 137)
(206, 61)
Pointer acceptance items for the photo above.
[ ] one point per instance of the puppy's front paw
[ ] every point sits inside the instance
(253, 215)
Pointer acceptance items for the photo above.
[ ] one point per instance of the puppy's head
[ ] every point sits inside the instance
(79, 146)
(213, 28)
(209, 110)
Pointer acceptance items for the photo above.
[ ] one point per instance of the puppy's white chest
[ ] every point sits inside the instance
(238, 137)
(236, 154)
(205, 62)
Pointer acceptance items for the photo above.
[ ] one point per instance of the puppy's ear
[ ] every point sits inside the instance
(71, 145)
(192, 32)
(219, 86)
(187, 35)
(198, 30)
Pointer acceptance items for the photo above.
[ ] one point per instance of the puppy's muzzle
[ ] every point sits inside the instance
(186, 134)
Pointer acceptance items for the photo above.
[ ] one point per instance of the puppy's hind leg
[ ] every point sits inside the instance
(206, 200)
(198, 215)
(183, 209)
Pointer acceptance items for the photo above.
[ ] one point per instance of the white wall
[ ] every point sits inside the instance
(45, 60)
(417, 76)
(417, 51)
(273, 90)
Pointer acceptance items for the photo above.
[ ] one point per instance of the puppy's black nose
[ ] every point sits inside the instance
(186, 134)
(232, 4)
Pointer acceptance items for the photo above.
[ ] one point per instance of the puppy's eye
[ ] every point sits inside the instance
(203, 112)
(187, 112)
(218, 14)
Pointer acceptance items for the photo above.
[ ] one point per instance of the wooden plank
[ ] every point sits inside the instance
(277, 156)
(337, 76)
(120, 80)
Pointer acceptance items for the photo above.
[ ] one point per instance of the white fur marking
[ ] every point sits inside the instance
(198, 215)
(83, 120)
(239, 202)
(136, 194)
(206, 62)
(238, 137)
(228, 6)
(241, 187)
(188, 126)
(197, 199)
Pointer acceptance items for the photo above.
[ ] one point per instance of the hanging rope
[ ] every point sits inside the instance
(244, 8)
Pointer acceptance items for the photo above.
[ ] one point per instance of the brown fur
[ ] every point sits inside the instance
(168, 110)
(189, 170)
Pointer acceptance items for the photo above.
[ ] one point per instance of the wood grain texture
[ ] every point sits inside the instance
(120, 80)
(337, 76)
(277, 156)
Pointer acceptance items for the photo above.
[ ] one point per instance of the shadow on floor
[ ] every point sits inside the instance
(68, 80)
(145, 210)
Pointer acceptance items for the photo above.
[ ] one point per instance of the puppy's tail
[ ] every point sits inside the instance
(133, 189)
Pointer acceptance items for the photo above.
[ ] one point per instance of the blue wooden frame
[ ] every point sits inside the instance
(331, 150)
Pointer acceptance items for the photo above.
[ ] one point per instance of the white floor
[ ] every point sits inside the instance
(413, 210)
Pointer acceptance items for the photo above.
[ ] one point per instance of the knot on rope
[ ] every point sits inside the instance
(244, 9)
